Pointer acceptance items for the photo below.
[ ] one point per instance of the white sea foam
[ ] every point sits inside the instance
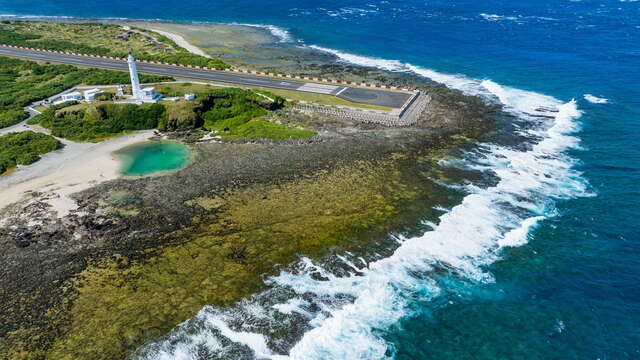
(519, 235)
(352, 309)
(458, 82)
(59, 18)
(517, 19)
(467, 237)
(283, 35)
(491, 17)
(595, 100)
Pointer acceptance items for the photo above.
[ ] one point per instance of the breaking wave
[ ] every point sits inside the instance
(283, 35)
(65, 18)
(595, 100)
(330, 314)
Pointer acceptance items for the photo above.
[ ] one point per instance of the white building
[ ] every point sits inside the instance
(149, 93)
(72, 96)
(90, 95)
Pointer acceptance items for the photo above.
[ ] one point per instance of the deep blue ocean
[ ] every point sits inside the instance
(556, 278)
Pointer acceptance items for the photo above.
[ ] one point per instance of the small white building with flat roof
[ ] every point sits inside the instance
(90, 95)
(72, 96)
(149, 94)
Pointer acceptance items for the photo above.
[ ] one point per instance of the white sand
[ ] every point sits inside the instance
(74, 168)
(178, 39)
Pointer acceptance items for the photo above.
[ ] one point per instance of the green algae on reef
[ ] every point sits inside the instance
(223, 258)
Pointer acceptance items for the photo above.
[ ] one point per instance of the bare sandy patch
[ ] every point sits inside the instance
(62, 173)
(178, 39)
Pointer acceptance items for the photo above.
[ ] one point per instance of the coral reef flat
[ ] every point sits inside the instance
(92, 257)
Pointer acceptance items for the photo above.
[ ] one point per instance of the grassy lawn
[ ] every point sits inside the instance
(322, 99)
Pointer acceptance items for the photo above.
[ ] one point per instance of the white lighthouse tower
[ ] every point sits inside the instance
(147, 94)
(135, 82)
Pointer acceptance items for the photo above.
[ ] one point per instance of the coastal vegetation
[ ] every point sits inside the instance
(230, 113)
(97, 122)
(23, 82)
(24, 148)
(100, 39)
(239, 114)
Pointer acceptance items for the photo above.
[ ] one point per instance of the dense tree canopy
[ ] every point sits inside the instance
(96, 122)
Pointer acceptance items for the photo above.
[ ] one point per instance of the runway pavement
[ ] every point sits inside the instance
(358, 95)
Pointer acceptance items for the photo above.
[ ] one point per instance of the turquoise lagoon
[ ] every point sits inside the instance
(150, 157)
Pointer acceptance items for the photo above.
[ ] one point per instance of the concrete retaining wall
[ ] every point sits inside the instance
(408, 116)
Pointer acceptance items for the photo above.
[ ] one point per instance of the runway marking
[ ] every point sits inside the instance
(318, 88)
(341, 91)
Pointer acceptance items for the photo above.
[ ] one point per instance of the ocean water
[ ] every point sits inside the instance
(544, 263)
(150, 157)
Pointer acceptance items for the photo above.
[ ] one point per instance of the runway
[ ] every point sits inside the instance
(359, 95)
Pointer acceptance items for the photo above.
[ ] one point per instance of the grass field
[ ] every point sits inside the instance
(100, 39)
(93, 35)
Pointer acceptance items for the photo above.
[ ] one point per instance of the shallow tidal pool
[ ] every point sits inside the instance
(150, 157)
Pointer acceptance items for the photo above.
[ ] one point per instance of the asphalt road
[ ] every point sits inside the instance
(358, 95)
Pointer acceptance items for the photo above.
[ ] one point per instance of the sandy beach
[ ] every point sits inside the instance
(178, 39)
(61, 173)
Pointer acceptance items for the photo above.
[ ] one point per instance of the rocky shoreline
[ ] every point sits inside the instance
(56, 269)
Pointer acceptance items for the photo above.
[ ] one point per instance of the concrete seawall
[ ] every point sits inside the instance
(407, 116)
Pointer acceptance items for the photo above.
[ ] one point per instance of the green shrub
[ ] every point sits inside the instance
(105, 96)
(183, 115)
(261, 129)
(96, 122)
(236, 114)
(186, 58)
(24, 148)
(11, 37)
(11, 117)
